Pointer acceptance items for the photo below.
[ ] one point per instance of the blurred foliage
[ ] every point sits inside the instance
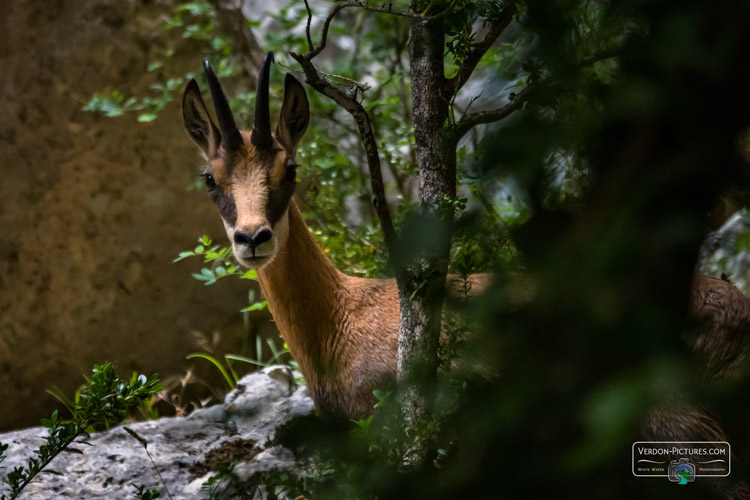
(194, 20)
(609, 261)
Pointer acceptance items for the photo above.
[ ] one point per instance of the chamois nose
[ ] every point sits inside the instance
(253, 241)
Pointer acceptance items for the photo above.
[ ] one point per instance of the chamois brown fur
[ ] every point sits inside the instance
(342, 330)
(720, 326)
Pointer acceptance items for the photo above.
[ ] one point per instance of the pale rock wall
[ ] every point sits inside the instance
(94, 209)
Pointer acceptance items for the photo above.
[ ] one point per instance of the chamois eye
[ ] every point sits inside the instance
(210, 182)
(291, 173)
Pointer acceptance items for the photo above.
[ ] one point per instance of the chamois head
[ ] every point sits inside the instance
(249, 175)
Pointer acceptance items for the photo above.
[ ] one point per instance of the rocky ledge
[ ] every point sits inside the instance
(185, 450)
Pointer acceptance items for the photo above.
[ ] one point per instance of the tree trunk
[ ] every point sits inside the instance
(422, 281)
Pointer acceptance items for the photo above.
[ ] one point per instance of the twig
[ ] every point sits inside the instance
(600, 56)
(469, 121)
(307, 30)
(314, 51)
(388, 9)
(144, 443)
(424, 15)
(471, 103)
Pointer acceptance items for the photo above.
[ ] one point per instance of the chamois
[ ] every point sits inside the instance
(343, 330)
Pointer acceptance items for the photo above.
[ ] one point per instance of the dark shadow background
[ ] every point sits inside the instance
(601, 342)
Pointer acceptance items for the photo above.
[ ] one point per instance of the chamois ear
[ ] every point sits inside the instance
(295, 114)
(198, 122)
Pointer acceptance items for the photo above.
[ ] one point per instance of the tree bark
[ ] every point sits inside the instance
(421, 282)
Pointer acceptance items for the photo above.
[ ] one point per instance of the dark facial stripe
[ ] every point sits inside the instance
(226, 206)
(278, 201)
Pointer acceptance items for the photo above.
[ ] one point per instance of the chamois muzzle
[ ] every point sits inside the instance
(231, 139)
(261, 137)
(253, 240)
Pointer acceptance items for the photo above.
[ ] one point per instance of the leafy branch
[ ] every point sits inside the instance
(222, 265)
(103, 401)
(474, 54)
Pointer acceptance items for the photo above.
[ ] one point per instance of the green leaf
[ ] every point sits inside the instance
(340, 160)
(147, 117)
(216, 363)
(183, 255)
(742, 244)
(236, 357)
(257, 306)
(250, 275)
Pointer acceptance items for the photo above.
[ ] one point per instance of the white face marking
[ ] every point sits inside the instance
(250, 192)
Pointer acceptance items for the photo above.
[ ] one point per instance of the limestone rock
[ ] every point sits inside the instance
(184, 450)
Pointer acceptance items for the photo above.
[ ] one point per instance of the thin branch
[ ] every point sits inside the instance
(324, 31)
(314, 51)
(600, 56)
(471, 120)
(310, 45)
(424, 15)
(497, 26)
(383, 9)
(358, 112)
(388, 9)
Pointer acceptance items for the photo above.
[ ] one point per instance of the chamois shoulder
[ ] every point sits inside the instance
(371, 311)
(719, 318)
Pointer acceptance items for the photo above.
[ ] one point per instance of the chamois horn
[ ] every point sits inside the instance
(231, 138)
(261, 136)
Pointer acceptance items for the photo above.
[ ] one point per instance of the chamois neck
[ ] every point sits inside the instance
(303, 288)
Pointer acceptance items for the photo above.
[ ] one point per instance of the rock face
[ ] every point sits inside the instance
(93, 209)
(184, 450)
